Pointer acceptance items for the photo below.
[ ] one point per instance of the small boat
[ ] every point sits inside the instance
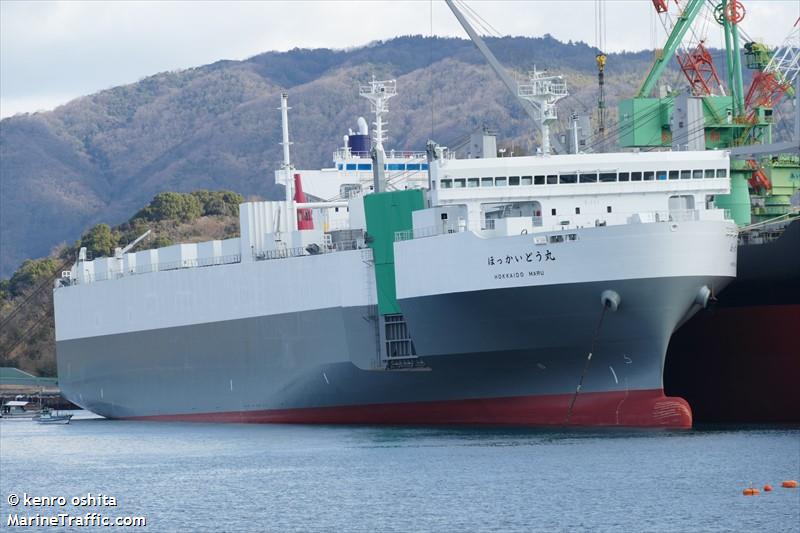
(49, 417)
(18, 409)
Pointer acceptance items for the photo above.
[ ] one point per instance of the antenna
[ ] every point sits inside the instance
(543, 92)
(287, 164)
(378, 93)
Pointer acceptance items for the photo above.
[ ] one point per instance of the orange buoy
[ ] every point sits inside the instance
(750, 491)
(789, 484)
(767, 488)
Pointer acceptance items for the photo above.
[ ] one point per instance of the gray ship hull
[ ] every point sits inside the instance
(504, 356)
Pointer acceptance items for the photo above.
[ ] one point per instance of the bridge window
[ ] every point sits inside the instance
(473, 182)
(459, 183)
(673, 175)
(697, 174)
(351, 166)
(527, 180)
(413, 166)
(722, 172)
(365, 166)
(568, 178)
(552, 179)
(538, 180)
(395, 166)
(446, 184)
(710, 173)
(586, 178)
(624, 176)
(500, 182)
(607, 177)
(649, 176)
(636, 176)
(487, 182)
(513, 180)
(686, 174)
(662, 175)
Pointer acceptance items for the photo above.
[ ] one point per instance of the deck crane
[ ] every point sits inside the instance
(536, 97)
(778, 75)
(726, 119)
(695, 62)
(600, 59)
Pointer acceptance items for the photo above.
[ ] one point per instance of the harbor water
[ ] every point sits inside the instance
(206, 477)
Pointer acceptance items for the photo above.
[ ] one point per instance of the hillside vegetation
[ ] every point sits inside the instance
(101, 157)
(27, 338)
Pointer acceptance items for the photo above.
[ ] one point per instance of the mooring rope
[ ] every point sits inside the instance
(586, 365)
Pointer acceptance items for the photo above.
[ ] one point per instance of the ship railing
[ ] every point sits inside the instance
(344, 246)
(190, 263)
(672, 215)
(429, 231)
(329, 246)
(155, 267)
(346, 153)
(280, 253)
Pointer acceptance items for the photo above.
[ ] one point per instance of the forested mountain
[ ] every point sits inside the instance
(99, 157)
(27, 329)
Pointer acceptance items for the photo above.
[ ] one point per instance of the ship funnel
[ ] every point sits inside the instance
(610, 300)
(305, 220)
(363, 129)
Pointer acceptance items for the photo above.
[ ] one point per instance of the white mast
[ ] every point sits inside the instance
(543, 92)
(529, 105)
(378, 93)
(287, 165)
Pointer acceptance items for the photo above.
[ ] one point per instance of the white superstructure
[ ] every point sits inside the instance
(550, 200)
(535, 194)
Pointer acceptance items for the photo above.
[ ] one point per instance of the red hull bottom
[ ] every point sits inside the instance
(640, 408)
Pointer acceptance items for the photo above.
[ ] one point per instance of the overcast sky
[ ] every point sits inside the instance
(51, 52)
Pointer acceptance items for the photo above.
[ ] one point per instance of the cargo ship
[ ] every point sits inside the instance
(535, 290)
(735, 361)
(738, 361)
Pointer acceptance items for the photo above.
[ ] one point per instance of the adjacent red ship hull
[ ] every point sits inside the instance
(739, 361)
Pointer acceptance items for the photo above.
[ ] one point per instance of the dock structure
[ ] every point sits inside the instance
(15, 382)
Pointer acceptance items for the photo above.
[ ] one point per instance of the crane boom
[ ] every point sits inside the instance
(532, 111)
(682, 25)
(134, 243)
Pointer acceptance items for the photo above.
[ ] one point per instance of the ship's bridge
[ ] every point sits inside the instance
(352, 174)
(515, 194)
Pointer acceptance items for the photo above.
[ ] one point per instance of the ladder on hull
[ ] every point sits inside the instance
(398, 351)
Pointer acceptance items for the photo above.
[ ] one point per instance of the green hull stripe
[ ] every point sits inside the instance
(386, 214)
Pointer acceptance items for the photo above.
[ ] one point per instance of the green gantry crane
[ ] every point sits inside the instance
(759, 189)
